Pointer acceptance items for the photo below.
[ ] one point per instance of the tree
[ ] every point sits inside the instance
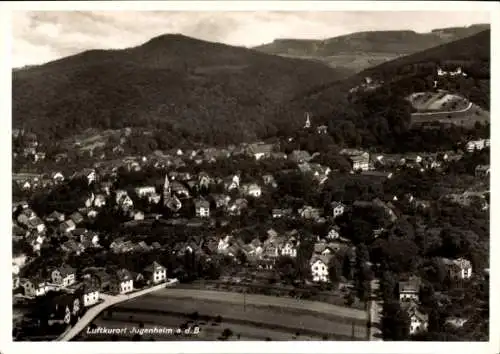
(395, 322)
(226, 333)
(334, 270)
(287, 268)
(241, 257)
(388, 284)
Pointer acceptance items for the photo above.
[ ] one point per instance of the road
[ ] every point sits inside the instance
(375, 308)
(109, 300)
(469, 106)
(263, 300)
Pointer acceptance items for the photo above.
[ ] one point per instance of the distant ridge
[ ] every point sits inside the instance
(360, 50)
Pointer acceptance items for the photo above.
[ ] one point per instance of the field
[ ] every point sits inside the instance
(253, 317)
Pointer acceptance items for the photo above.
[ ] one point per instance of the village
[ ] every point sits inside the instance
(217, 205)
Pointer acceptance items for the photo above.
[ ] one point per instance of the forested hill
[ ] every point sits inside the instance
(191, 88)
(416, 72)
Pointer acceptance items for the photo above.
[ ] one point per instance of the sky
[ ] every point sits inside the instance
(42, 36)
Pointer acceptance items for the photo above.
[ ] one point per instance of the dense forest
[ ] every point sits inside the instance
(231, 94)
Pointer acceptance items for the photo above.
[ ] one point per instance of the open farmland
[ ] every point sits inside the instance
(252, 316)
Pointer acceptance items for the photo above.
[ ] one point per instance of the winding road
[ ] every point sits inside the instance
(109, 300)
(443, 112)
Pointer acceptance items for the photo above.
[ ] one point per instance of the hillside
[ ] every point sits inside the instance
(382, 117)
(193, 89)
(416, 73)
(358, 51)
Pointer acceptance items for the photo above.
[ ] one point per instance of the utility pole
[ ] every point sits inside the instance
(244, 300)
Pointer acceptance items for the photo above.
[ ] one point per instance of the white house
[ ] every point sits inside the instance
(333, 234)
(202, 207)
(34, 286)
(100, 200)
(409, 290)
(418, 320)
(145, 191)
(90, 295)
(156, 273)
(319, 268)
(90, 174)
(64, 276)
(458, 268)
(223, 243)
(120, 193)
(289, 249)
(90, 200)
(232, 183)
(252, 189)
(58, 177)
(482, 171)
(337, 209)
(122, 282)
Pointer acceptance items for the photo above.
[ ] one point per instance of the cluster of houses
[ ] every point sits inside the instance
(409, 293)
(64, 296)
(30, 148)
(452, 73)
(477, 145)
(368, 85)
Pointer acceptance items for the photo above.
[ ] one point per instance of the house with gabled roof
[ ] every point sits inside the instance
(55, 216)
(319, 267)
(251, 189)
(67, 226)
(308, 212)
(89, 293)
(334, 233)
(281, 213)
(34, 286)
(237, 206)
(482, 171)
(231, 182)
(179, 189)
(259, 150)
(409, 289)
(418, 320)
(202, 208)
(121, 281)
(269, 180)
(299, 156)
(57, 177)
(64, 276)
(36, 224)
(156, 273)
(460, 268)
(77, 218)
(71, 246)
(337, 209)
(220, 200)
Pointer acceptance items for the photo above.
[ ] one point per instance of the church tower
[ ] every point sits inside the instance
(308, 121)
(166, 190)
